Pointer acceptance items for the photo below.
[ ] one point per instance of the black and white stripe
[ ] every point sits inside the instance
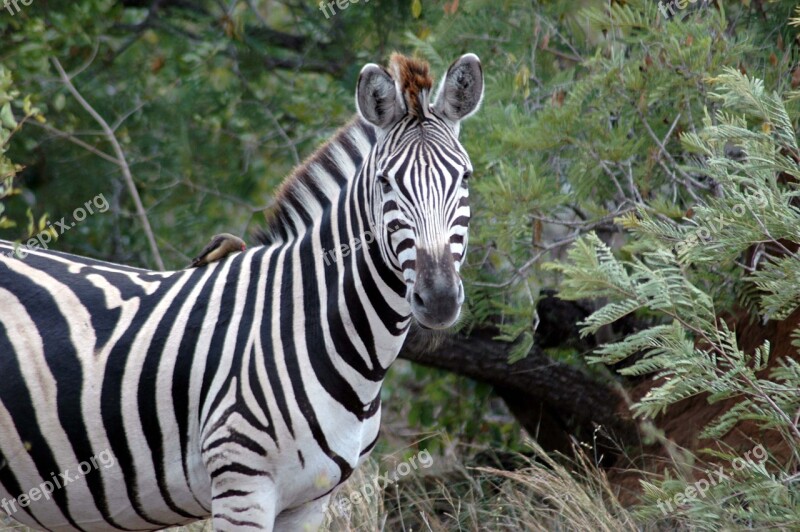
(250, 388)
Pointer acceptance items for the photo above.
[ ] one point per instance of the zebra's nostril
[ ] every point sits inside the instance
(418, 301)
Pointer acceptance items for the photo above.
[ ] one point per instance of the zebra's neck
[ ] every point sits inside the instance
(325, 209)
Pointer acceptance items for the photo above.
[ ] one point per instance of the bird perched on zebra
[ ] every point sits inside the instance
(248, 389)
(221, 246)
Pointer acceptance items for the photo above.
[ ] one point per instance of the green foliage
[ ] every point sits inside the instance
(442, 407)
(9, 126)
(640, 140)
(749, 150)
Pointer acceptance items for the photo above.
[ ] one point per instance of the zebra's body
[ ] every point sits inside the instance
(250, 388)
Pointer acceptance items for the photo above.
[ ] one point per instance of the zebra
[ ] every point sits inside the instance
(246, 390)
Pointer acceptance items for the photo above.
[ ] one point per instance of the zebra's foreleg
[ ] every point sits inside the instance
(243, 503)
(305, 518)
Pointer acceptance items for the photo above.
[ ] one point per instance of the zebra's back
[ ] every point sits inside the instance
(81, 409)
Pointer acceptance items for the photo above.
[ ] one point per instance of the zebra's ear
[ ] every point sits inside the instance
(377, 98)
(461, 91)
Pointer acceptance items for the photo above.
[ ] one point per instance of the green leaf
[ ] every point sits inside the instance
(416, 8)
(7, 117)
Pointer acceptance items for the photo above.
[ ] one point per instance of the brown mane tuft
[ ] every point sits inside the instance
(414, 78)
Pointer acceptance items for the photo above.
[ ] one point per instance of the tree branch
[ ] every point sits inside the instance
(72, 138)
(121, 162)
(566, 389)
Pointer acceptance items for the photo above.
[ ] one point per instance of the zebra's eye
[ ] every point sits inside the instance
(386, 186)
(465, 178)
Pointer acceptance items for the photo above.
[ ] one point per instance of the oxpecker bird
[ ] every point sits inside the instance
(221, 246)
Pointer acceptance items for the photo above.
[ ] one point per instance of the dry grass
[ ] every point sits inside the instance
(544, 495)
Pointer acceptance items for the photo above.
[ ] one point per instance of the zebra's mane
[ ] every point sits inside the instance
(291, 199)
(414, 79)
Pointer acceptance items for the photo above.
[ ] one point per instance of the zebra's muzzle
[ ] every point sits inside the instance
(438, 293)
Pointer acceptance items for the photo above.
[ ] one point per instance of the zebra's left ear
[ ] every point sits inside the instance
(461, 91)
(377, 99)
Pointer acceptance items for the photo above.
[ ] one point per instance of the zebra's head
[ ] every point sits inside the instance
(419, 174)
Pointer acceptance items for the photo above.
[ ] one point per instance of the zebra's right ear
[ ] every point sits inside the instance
(461, 92)
(377, 98)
